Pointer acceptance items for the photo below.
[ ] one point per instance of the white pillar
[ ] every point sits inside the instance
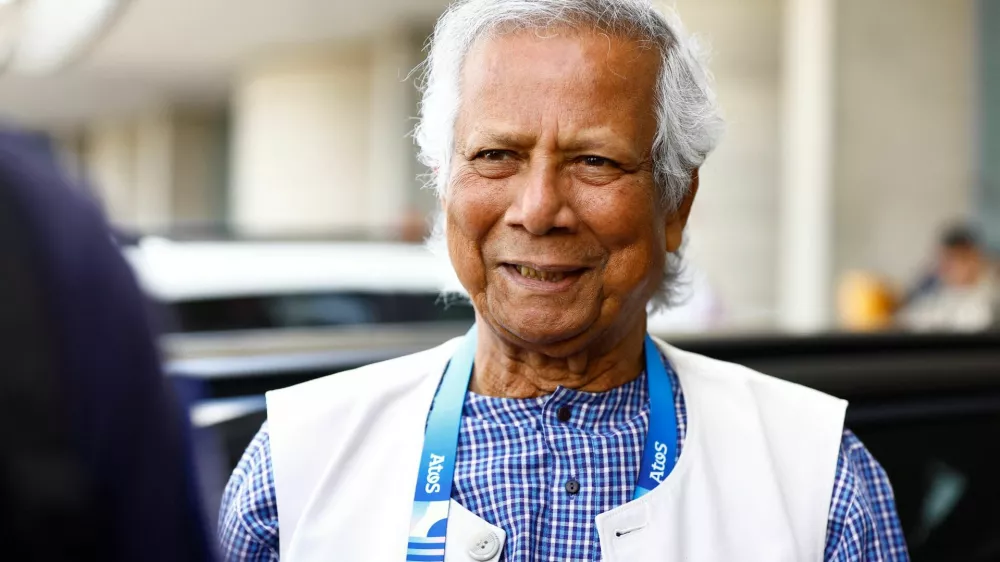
(154, 173)
(200, 169)
(109, 155)
(807, 212)
(735, 220)
(392, 169)
(301, 142)
(157, 170)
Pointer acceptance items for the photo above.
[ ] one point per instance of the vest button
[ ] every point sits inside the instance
(486, 547)
(573, 486)
(563, 413)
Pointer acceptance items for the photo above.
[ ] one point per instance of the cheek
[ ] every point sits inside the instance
(635, 272)
(627, 221)
(473, 207)
(623, 212)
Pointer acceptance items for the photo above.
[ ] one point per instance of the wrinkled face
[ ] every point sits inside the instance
(554, 223)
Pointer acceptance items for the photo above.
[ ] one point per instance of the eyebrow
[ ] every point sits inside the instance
(501, 138)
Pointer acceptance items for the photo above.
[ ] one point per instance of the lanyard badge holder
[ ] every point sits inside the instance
(432, 497)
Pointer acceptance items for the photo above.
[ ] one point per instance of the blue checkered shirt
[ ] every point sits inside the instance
(514, 459)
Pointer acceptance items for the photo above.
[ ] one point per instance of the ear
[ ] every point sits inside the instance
(677, 220)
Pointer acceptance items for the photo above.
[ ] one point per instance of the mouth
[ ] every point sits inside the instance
(544, 277)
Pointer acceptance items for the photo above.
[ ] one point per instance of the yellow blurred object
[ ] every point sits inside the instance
(865, 302)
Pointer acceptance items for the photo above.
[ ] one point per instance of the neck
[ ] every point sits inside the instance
(506, 370)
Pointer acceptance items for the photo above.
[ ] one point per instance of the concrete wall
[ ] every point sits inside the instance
(318, 142)
(301, 143)
(109, 164)
(905, 152)
(904, 155)
(393, 165)
(988, 121)
(158, 170)
(201, 168)
(152, 184)
(733, 233)
(321, 139)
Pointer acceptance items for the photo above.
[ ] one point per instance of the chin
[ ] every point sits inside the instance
(545, 328)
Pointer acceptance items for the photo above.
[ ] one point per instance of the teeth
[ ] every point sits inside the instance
(540, 275)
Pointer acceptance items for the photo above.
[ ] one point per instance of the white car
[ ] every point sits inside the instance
(186, 271)
(267, 298)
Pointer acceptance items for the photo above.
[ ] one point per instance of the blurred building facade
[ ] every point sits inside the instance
(855, 129)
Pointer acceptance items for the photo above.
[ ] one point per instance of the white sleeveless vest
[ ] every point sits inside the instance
(753, 483)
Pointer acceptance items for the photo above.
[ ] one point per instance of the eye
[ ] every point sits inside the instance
(494, 155)
(496, 163)
(598, 161)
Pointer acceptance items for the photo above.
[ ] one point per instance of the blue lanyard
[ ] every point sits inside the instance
(429, 521)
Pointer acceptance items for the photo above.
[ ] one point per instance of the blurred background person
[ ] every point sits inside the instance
(95, 463)
(962, 293)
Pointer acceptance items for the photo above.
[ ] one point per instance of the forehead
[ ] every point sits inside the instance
(578, 78)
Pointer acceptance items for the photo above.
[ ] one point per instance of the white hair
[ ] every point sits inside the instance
(689, 122)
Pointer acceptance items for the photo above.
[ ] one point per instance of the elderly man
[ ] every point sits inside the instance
(565, 137)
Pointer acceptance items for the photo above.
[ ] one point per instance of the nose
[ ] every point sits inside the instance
(540, 205)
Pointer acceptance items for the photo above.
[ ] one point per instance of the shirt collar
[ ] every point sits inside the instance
(593, 412)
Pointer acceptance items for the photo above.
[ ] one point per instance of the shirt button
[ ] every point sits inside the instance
(485, 547)
(572, 486)
(562, 414)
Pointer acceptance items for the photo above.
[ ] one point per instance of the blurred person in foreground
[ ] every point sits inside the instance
(963, 292)
(566, 137)
(95, 464)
